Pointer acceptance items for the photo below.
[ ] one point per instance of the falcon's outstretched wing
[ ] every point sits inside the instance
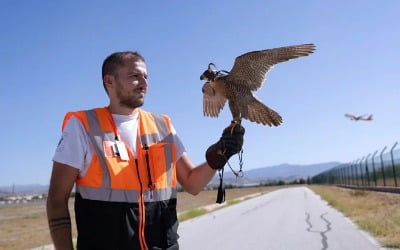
(213, 101)
(250, 69)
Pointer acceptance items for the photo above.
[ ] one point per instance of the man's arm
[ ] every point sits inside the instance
(193, 178)
(62, 180)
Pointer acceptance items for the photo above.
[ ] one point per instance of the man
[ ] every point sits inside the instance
(125, 163)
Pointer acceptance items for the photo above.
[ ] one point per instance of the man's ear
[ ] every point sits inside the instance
(108, 81)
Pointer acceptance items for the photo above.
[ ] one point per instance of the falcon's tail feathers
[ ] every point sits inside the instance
(259, 113)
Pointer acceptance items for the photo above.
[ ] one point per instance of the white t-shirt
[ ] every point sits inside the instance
(76, 150)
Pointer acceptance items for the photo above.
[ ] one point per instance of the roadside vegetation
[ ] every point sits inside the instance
(375, 212)
(191, 213)
(25, 227)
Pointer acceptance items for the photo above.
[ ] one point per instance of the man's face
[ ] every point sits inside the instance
(131, 84)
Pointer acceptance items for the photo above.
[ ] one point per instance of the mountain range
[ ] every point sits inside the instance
(283, 172)
(24, 189)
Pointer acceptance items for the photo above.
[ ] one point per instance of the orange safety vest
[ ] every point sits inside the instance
(146, 178)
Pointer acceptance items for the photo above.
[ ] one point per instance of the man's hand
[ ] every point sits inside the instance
(230, 143)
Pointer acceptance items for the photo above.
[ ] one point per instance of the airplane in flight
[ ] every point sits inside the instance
(359, 117)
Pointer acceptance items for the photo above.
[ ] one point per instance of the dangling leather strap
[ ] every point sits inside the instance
(221, 188)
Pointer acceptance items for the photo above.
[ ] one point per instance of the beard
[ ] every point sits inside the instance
(129, 101)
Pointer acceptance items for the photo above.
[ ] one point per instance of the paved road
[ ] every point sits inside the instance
(287, 219)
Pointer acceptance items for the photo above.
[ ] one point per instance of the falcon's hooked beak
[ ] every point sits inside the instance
(210, 74)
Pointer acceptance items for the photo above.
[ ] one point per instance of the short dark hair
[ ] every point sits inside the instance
(117, 60)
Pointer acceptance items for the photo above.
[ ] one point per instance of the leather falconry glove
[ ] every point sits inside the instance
(230, 143)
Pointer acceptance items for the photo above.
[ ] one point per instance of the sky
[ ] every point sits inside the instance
(51, 54)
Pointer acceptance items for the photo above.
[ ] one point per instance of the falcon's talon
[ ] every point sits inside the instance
(233, 128)
(234, 123)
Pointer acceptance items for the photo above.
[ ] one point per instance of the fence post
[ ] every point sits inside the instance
(354, 169)
(394, 169)
(337, 175)
(353, 174)
(333, 175)
(373, 166)
(366, 168)
(382, 166)
(356, 172)
(361, 172)
(343, 175)
(348, 174)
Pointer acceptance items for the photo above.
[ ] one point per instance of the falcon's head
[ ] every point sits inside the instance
(210, 74)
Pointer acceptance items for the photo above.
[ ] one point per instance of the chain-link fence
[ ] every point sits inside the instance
(378, 169)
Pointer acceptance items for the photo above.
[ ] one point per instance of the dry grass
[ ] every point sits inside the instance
(191, 213)
(389, 182)
(375, 212)
(25, 227)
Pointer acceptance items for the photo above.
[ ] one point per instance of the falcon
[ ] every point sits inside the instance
(238, 86)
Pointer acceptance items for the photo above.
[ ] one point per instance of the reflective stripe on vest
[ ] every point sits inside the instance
(153, 131)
